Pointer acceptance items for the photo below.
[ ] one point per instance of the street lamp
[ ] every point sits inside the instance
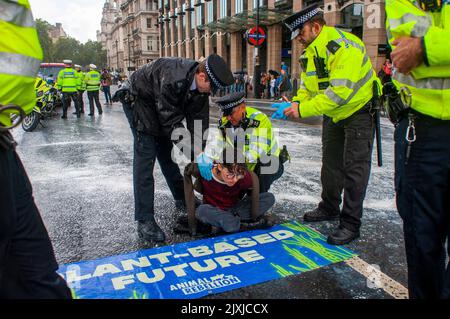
(129, 53)
(117, 54)
(256, 73)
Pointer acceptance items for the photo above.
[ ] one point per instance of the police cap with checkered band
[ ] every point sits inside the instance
(296, 21)
(219, 73)
(228, 102)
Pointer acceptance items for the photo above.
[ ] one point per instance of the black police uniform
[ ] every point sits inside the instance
(27, 261)
(157, 98)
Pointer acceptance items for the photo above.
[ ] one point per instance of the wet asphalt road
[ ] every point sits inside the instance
(81, 172)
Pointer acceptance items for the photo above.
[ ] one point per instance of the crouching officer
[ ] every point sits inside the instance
(27, 261)
(422, 150)
(156, 99)
(69, 84)
(337, 81)
(249, 130)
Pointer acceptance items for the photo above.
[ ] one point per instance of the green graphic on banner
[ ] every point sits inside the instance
(204, 267)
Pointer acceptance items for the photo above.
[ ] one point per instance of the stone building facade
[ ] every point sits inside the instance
(57, 32)
(196, 28)
(129, 33)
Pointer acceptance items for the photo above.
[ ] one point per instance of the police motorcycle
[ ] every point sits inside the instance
(47, 99)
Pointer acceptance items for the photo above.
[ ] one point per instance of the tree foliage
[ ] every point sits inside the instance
(69, 48)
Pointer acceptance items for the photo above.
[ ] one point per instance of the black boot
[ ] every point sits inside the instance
(150, 231)
(318, 215)
(342, 236)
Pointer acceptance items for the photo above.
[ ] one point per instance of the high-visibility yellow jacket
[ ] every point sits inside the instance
(349, 84)
(93, 81)
(20, 57)
(81, 75)
(259, 139)
(68, 80)
(429, 83)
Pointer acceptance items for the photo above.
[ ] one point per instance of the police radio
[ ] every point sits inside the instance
(321, 69)
(431, 5)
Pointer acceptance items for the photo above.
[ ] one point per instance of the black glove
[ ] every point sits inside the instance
(124, 94)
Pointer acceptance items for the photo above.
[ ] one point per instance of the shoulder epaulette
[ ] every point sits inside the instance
(333, 47)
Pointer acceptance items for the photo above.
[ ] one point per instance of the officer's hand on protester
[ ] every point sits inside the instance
(280, 109)
(205, 164)
(292, 111)
(407, 55)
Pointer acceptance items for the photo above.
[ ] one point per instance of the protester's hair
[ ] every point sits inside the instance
(233, 160)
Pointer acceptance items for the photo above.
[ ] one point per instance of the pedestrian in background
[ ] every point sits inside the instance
(93, 87)
(27, 261)
(69, 83)
(106, 86)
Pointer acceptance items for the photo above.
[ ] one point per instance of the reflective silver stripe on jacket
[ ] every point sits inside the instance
(428, 83)
(16, 14)
(421, 27)
(347, 83)
(18, 64)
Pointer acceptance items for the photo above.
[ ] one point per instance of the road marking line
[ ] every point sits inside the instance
(380, 279)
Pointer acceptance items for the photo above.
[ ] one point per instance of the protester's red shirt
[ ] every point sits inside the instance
(223, 196)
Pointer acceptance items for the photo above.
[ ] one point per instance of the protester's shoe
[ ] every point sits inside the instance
(64, 117)
(318, 215)
(100, 113)
(182, 227)
(150, 231)
(263, 222)
(181, 204)
(342, 236)
(90, 114)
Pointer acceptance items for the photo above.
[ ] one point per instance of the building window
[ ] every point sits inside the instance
(210, 12)
(223, 8)
(152, 44)
(149, 23)
(239, 6)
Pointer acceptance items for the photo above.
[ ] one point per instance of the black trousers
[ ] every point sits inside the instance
(27, 261)
(94, 96)
(346, 163)
(66, 100)
(81, 101)
(148, 149)
(423, 201)
(266, 179)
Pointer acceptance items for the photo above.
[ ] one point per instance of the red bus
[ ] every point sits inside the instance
(48, 70)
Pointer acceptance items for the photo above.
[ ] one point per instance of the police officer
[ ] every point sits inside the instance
(93, 82)
(418, 33)
(80, 74)
(337, 81)
(156, 99)
(27, 261)
(249, 130)
(69, 84)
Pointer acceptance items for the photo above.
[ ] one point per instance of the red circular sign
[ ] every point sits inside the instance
(256, 36)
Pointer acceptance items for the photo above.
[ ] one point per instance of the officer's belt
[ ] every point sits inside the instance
(426, 118)
(365, 109)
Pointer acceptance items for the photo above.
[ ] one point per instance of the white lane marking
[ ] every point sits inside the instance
(378, 278)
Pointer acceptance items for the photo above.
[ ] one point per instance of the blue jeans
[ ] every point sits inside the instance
(107, 92)
(148, 148)
(422, 186)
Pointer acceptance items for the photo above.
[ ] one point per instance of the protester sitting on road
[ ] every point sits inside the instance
(226, 203)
